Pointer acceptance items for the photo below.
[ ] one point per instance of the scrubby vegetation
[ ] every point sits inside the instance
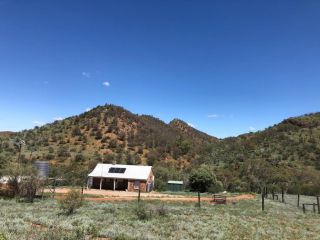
(23, 182)
(124, 220)
(286, 155)
(71, 202)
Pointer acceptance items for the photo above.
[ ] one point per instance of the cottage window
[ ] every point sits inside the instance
(136, 184)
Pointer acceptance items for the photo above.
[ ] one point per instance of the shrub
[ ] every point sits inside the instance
(79, 157)
(92, 230)
(21, 187)
(71, 202)
(2, 236)
(161, 210)
(28, 188)
(216, 188)
(142, 212)
(123, 236)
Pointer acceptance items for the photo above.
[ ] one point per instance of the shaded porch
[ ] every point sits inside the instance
(108, 184)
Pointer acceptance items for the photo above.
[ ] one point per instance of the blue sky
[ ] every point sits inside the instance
(226, 67)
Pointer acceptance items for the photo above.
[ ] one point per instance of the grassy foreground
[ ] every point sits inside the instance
(122, 220)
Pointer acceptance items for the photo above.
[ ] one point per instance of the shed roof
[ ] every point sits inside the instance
(175, 182)
(138, 172)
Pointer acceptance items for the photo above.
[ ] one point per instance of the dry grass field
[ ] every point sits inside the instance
(155, 219)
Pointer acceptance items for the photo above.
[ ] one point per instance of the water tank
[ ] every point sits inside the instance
(42, 168)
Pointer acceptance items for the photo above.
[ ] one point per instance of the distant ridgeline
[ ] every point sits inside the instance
(286, 154)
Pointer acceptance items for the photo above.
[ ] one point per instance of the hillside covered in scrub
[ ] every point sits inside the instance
(282, 153)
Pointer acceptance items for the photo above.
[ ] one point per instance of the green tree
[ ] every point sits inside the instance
(201, 179)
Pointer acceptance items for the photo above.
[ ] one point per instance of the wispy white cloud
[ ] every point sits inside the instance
(86, 74)
(191, 125)
(38, 123)
(213, 115)
(58, 118)
(87, 109)
(252, 129)
(107, 84)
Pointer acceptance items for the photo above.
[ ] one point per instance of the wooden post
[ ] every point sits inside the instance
(318, 202)
(199, 199)
(54, 188)
(43, 186)
(298, 200)
(314, 207)
(114, 184)
(282, 195)
(272, 194)
(266, 193)
(262, 198)
(303, 208)
(139, 194)
(88, 180)
(100, 183)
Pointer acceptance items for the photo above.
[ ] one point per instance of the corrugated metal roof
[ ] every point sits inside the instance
(175, 182)
(138, 172)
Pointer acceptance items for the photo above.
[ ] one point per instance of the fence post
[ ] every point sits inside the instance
(282, 195)
(318, 202)
(139, 195)
(266, 192)
(54, 188)
(298, 199)
(272, 194)
(262, 198)
(314, 207)
(303, 208)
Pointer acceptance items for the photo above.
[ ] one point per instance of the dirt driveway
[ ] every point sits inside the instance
(107, 196)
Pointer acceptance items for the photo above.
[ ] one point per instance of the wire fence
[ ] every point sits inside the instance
(297, 201)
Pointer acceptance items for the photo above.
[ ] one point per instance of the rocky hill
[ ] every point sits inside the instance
(112, 134)
(288, 152)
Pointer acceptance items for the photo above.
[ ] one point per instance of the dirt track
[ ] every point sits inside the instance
(107, 196)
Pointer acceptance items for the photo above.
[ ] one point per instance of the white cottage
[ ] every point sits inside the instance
(121, 177)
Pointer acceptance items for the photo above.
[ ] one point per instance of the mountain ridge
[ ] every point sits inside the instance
(111, 133)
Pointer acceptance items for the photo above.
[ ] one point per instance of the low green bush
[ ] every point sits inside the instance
(123, 236)
(161, 210)
(142, 211)
(2, 236)
(71, 202)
